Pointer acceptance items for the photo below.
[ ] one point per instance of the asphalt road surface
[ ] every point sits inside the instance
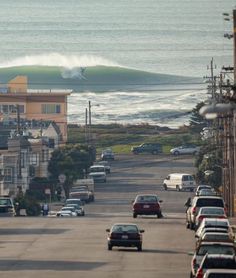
(76, 247)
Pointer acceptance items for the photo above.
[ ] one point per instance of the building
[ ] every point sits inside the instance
(32, 124)
(18, 103)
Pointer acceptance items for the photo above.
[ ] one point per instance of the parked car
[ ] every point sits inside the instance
(185, 149)
(209, 212)
(215, 237)
(213, 223)
(207, 192)
(6, 206)
(179, 182)
(125, 235)
(202, 249)
(215, 261)
(197, 203)
(152, 148)
(147, 204)
(107, 155)
(220, 273)
(202, 186)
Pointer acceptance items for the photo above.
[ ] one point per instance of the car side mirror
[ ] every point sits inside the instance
(191, 253)
(141, 231)
(160, 201)
(132, 201)
(108, 230)
(196, 236)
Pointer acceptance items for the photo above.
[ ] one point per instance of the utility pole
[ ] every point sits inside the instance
(18, 119)
(19, 136)
(86, 125)
(233, 186)
(90, 121)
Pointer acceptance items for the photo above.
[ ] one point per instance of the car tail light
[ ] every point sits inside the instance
(226, 210)
(201, 217)
(157, 205)
(194, 210)
(222, 216)
(114, 235)
(194, 263)
(136, 206)
(199, 273)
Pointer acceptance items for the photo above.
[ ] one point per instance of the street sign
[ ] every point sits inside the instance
(62, 178)
(47, 191)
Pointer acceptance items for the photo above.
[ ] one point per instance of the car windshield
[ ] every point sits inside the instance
(145, 199)
(5, 202)
(216, 249)
(96, 169)
(78, 202)
(68, 208)
(125, 229)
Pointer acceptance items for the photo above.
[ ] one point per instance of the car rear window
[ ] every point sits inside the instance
(125, 228)
(211, 211)
(216, 249)
(219, 263)
(210, 203)
(222, 275)
(150, 199)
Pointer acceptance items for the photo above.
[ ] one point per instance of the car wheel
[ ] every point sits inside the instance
(134, 215)
(139, 247)
(187, 225)
(176, 153)
(159, 215)
(109, 247)
(165, 186)
(191, 225)
(177, 188)
(191, 275)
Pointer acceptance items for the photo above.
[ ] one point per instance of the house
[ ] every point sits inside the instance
(18, 104)
(32, 124)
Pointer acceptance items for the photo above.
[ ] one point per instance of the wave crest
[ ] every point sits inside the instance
(58, 60)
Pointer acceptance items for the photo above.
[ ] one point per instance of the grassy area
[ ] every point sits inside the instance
(122, 137)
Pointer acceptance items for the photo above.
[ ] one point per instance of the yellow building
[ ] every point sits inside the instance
(45, 105)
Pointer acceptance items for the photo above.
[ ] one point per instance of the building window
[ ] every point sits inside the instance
(11, 108)
(45, 155)
(51, 108)
(34, 159)
(8, 175)
(23, 159)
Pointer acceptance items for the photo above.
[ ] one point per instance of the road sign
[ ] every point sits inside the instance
(47, 191)
(62, 178)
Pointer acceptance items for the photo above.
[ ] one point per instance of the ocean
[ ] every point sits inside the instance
(136, 61)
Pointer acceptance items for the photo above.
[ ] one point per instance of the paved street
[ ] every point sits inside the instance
(76, 247)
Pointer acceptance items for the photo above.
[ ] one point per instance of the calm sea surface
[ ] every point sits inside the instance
(174, 37)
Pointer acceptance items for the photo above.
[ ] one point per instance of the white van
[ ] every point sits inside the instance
(180, 182)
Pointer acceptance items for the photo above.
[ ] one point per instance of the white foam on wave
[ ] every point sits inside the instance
(134, 107)
(58, 60)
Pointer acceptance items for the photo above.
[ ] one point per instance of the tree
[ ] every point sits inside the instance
(71, 161)
(197, 122)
